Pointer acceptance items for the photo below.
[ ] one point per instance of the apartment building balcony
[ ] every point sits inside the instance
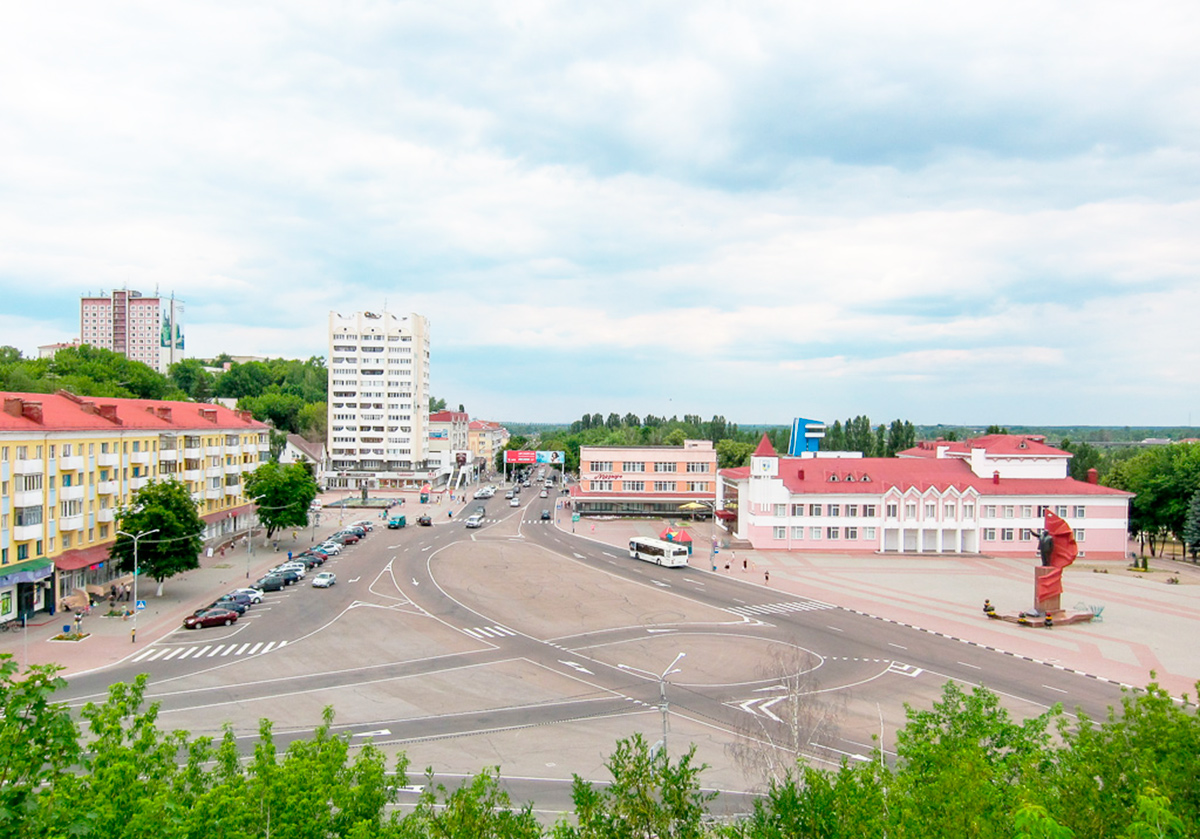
(106, 515)
(214, 450)
(70, 523)
(233, 468)
(108, 459)
(71, 493)
(25, 532)
(214, 493)
(140, 458)
(235, 449)
(108, 488)
(233, 489)
(193, 474)
(28, 467)
(168, 454)
(264, 447)
(139, 482)
(191, 453)
(214, 471)
(29, 498)
(71, 464)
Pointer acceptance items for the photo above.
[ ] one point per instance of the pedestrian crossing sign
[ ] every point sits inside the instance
(141, 605)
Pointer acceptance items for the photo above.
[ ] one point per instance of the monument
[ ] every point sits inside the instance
(1057, 547)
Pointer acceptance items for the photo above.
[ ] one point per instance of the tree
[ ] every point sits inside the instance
(732, 454)
(996, 429)
(479, 809)
(190, 376)
(39, 743)
(1191, 527)
(648, 796)
(313, 420)
(283, 494)
(249, 379)
(166, 507)
(281, 410)
(436, 405)
(1083, 458)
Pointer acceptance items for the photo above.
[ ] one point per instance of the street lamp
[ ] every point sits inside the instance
(662, 696)
(133, 634)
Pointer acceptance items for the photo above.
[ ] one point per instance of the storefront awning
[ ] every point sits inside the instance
(28, 572)
(74, 560)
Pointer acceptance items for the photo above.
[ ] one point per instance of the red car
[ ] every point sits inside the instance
(346, 538)
(210, 617)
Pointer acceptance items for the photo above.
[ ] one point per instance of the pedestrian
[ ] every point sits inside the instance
(727, 567)
(744, 564)
(767, 577)
(112, 591)
(124, 591)
(112, 599)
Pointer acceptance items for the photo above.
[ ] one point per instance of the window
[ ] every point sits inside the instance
(835, 510)
(989, 534)
(814, 532)
(892, 511)
(27, 516)
(664, 467)
(780, 510)
(869, 511)
(989, 511)
(664, 486)
(852, 511)
(1027, 534)
(814, 509)
(1009, 511)
(703, 486)
(831, 533)
(635, 486)
(868, 533)
(602, 466)
(1026, 511)
(636, 466)
(1061, 510)
(779, 532)
(851, 532)
(1006, 534)
(797, 509)
(968, 511)
(22, 552)
(798, 533)
(1080, 535)
(1041, 510)
(1078, 511)
(950, 508)
(910, 510)
(697, 467)
(930, 510)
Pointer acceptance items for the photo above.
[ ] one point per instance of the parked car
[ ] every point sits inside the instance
(255, 594)
(243, 599)
(365, 524)
(330, 548)
(296, 567)
(324, 580)
(545, 515)
(271, 582)
(317, 554)
(425, 521)
(345, 538)
(287, 575)
(232, 605)
(210, 617)
(309, 560)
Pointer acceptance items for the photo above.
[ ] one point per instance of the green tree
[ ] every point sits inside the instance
(282, 494)
(281, 410)
(1191, 526)
(1083, 458)
(39, 745)
(166, 507)
(313, 420)
(190, 377)
(648, 796)
(241, 380)
(436, 405)
(996, 429)
(732, 454)
(479, 808)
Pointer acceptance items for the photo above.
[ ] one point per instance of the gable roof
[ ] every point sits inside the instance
(64, 411)
(996, 445)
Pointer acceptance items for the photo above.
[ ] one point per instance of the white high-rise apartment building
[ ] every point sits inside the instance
(145, 329)
(378, 400)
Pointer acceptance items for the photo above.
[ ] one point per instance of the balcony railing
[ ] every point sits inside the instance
(71, 464)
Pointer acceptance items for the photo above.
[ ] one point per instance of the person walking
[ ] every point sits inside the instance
(767, 577)
(745, 567)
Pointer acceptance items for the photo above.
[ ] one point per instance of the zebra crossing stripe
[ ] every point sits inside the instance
(471, 633)
(228, 651)
(172, 654)
(216, 650)
(255, 649)
(147, 652)
(503, 630)
(242, 648)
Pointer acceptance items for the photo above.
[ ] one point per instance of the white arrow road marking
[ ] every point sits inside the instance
(904, 669)
(355, 580)
(411, 788)
(577, 556)
(383, 732)
(660, 584)
(577, 666)
(765, 706)
(415, 583)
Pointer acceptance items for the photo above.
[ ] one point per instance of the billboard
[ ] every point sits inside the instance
(514, 456)
(550, 457)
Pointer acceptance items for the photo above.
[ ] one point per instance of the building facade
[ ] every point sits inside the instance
(145, 329)
(645, 480)
(485, 439)
(378, 400)
(68, 464)
(982, 496)
(450, 456)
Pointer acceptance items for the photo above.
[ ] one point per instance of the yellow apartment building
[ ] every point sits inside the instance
(69, 463)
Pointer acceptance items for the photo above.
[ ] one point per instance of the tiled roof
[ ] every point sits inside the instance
(62, 411)
(765, 449)
(996, 445)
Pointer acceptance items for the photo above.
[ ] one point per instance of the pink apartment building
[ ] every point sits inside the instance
(981, 496)
(644, 480)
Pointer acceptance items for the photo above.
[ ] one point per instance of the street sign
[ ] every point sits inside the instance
(141, 605)
(574, 516)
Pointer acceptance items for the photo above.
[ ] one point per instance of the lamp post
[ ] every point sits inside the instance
(662, 696)
(136, 539)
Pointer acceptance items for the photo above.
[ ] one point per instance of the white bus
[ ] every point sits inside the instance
(657, 551)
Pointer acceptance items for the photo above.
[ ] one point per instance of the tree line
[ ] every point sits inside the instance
(962, 768)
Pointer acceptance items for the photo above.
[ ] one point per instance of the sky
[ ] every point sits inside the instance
(945, 212)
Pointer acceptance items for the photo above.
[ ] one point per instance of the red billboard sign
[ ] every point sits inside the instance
(514, 456)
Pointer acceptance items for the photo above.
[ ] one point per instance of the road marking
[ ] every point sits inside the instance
(660, 583)
(243, 648)
(693, 582)
(904, 669)
(770, 687)
(779, 608)
(972, 666)
(354, 580)
(415, 583)
(255, 648)
(577, 666)
(216, 650)
(382, 732)
(834, 628)
(1049, 687)
(578, 556)
(660, 630)
(897, 646)
(764, 705)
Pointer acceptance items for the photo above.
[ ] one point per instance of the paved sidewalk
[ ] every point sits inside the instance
(1144, 626)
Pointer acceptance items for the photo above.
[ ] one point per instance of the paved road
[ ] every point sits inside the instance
(499, 644)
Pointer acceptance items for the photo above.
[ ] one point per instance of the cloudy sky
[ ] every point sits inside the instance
(943, 211)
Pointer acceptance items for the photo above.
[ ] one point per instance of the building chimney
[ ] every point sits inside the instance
(163, 412)
(109, 412)
(995, 477)
(31, 411)
(13, 407)
(245, 416)
(1093, 476)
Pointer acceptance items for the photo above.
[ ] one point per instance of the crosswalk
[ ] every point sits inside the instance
(482, 632)
(207, 651)
(779, 608)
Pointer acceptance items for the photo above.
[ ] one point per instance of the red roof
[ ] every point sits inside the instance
(765, 449)
(876, 475)
(1003, 445)
(448, 416)
(63, 411)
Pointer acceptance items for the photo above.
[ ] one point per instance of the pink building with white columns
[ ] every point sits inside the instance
(981, 496)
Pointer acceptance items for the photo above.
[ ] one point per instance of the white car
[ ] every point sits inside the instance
(365, 524)
(298, 567)
(330, 548)
(324, 580)
(254, 594)
(516, 502)
(544, 494)
(475, 520)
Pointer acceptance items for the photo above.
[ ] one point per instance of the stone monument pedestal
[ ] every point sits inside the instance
(1051, 605)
